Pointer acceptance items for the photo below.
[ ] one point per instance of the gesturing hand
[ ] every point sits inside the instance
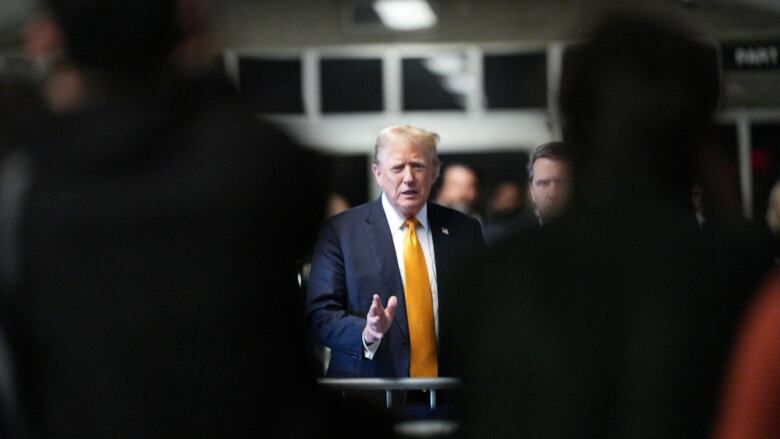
(378, 319)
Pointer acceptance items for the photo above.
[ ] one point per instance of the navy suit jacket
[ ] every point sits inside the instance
(354, 259)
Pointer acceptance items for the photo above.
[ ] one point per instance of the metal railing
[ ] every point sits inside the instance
(388, 385)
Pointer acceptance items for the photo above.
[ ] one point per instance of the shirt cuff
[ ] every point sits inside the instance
(369, 350)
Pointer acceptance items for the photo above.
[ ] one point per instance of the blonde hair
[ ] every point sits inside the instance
(413, 136)
(772, 220)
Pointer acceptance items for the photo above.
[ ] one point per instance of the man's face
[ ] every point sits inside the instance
(459, 189)
(508, 197)
(405, 174)
(550, 187)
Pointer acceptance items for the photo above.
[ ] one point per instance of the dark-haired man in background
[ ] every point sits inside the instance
(549, 181)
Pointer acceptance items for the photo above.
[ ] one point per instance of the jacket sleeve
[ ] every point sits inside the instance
(327, 297)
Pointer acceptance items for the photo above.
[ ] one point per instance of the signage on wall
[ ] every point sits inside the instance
(751, 56)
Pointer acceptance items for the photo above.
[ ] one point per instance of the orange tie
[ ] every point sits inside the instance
(424, 361)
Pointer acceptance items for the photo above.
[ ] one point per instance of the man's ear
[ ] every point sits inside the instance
(377, 171)
(43, 38)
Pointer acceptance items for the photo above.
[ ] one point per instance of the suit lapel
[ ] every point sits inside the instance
(380, 240)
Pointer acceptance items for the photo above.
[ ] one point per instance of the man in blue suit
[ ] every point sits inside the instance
(378, 269)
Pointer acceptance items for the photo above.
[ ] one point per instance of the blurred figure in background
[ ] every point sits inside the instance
(751, 397)
(335, 205)
(613, 321)
(14, 96)
(508, 199)
(504, 210)
(697, 201)
(150, 290)
(773, 218)
(773, 211)
(549, 181)
(460, 189)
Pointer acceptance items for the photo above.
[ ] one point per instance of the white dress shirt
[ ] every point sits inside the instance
(424, 236)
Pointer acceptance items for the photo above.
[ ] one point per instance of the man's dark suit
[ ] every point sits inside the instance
(355, 259)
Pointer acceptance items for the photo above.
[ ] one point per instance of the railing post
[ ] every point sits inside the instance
(433, 399)
(389, 398)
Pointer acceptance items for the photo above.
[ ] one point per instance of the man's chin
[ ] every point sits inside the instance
(410, 208)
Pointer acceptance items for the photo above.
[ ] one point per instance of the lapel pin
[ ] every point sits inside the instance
(445, 231)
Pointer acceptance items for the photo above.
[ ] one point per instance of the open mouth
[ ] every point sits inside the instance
(409, 193)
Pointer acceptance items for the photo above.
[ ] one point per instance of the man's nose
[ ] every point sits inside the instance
(408, 174)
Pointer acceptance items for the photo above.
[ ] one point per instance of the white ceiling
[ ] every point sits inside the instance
(285, 23)
(266, 23)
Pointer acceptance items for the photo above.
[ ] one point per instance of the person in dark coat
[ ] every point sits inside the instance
(614, 320)
(360, 301)
(151, 290)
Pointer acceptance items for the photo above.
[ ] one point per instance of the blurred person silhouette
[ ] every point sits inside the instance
(507, 197)
(460, 188)
(697, 201)
(613, 321)
(506, 201)
(773, 218)
(751, 395)
(773, 211)
(149, 286)
(15, 97)
(336, 204)
(504, 210)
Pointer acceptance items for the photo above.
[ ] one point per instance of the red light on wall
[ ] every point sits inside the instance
(761, 160)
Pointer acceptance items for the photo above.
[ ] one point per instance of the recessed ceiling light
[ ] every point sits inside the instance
(405, 15)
